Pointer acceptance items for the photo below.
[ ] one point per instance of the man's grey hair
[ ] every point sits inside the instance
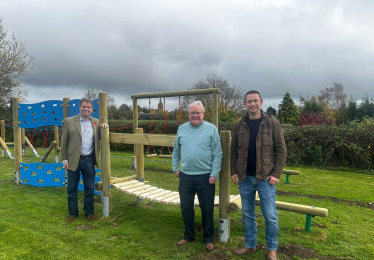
(87, 101)
(196, 103)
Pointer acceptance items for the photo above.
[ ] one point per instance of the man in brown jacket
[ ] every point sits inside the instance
(258, 155)
(80, 153)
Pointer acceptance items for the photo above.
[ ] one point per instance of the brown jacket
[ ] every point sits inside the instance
(71, 141)
(271, 149)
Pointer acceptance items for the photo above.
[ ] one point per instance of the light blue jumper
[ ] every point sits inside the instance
(198, 148)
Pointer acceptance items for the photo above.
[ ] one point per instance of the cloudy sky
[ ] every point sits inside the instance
(127, 47)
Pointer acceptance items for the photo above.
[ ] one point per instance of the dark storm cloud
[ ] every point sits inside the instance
(129, 47)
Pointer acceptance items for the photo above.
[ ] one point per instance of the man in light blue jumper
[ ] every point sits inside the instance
(198, 148)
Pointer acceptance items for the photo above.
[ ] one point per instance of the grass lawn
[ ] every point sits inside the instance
(33, 219)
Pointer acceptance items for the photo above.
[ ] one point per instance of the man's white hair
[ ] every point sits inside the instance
(196, 103)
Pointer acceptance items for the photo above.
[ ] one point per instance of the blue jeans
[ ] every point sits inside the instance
(87, 167)
(266, 192)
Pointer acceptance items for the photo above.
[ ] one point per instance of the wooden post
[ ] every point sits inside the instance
(224, 188)
(2, 130)
(135, 118)
(65, 107)
(105, 156)
(139, 148)
(215, 109)
(17, 142)
(139, 157)
(57, 140)
(65, 104)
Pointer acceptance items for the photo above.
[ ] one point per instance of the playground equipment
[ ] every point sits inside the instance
(288, 173)
(50, 112)
(3, 143)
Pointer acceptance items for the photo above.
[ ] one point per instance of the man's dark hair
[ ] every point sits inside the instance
(85, 100)
(252, 92)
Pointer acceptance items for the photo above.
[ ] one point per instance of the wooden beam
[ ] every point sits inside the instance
(143, 139)
(98, 185)
(50, 148)
(176, 93)
(2, 129)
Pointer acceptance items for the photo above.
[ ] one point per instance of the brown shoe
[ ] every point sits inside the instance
(209, 246)
(183, 242)
(272, 255)
(245, 250)
(90, 217)
(71, 218)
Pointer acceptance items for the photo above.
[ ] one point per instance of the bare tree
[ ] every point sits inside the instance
(93, 94)
(230, 95)
(333, 97)
(15, 62)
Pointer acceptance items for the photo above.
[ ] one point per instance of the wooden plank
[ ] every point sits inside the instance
(124, 188)
(145, 195)
(140, 192)
(167, 200)
(153, 196)
(131, 190)
(176, 201)
(144, 139)
(125, 183)
(167, 195)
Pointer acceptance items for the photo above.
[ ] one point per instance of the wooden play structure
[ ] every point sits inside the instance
(136, 185)
(47, 113)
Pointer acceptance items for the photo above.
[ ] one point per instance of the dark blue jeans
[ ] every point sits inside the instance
(189, 185)
(87, 168)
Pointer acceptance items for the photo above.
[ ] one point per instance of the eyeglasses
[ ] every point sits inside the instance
(195, 113)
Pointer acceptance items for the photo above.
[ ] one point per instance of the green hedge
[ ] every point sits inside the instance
(328, 145)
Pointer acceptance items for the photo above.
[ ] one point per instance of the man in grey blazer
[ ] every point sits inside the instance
(80, 153)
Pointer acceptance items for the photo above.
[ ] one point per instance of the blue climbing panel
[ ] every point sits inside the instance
(42, 174)
(49, 112)
(74, 108)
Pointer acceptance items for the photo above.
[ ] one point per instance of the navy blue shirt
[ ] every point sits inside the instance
(254, 126)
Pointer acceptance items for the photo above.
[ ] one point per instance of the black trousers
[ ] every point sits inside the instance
(189, 185)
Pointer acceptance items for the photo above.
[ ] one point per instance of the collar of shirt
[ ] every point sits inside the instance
(81, 119)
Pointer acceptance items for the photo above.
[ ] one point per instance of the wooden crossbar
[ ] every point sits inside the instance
(144, 139)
